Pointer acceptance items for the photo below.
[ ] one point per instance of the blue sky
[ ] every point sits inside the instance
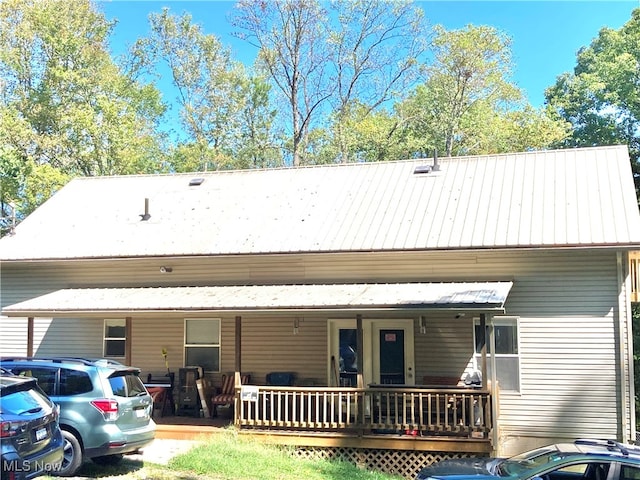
(546, 34)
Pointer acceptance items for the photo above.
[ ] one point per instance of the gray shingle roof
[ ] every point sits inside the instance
(573, 197)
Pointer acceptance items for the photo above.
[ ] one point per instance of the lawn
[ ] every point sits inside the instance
(230, 457)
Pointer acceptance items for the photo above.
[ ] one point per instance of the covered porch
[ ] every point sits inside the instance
(415, 418)
(377, 407)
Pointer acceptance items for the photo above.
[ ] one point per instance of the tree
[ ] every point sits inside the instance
(371, 136)
(292, 41)
(601, 98)
(467, 105)
(224, 112)
(329, 59)
(375, 48)
(66, 108)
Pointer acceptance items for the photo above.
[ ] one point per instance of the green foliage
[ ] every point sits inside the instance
(291, 38)
(374, 51)
(66, 108)
(321, 69)
(467, 104)
(224, 112)
(601, 98)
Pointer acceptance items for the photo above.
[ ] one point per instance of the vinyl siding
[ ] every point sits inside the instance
(70, 336)
(567, 303)
(446, 347)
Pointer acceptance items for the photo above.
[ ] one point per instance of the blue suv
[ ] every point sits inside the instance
(105, 409)
(30, 438)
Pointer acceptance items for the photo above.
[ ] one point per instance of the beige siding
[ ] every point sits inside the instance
(72, 337)
(84, 335)
(269, 344)
(566, 301)
(446, 347)
(13, 336)
(149, 335)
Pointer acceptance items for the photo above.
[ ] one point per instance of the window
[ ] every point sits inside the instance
(115, 337)
(629, 472)
(127, 385)
(507, 352)
(202, 343)
(74, 382)
(46, 377)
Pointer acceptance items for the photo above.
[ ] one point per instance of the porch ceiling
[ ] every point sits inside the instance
(475, 296)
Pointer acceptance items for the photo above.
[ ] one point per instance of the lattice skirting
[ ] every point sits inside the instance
(398, 462)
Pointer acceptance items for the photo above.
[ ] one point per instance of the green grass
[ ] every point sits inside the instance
(228, 456)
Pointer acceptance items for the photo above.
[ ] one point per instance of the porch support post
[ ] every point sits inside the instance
(359, 352)
(30, 337)
(238, 360)
(495, 412)
(627, 428)
(128, 341)
(483, 351)
(237, 380)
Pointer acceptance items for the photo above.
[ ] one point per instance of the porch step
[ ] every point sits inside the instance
(185, 432)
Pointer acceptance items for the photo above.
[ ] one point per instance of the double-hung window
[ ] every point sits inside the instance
(507, 351)
(202, 343)
(115, 338)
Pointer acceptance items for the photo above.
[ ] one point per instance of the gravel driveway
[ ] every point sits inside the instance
(160, 451)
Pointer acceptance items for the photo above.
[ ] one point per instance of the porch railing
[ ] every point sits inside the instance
(375, 410)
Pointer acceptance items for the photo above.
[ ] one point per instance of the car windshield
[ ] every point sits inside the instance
(529, 461)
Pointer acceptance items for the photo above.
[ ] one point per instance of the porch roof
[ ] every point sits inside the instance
(473, 296)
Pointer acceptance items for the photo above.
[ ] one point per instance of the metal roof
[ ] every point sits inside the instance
(477, 296)
(561, 198)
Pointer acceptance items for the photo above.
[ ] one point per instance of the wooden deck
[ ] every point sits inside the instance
(399, 418)
(189, 428)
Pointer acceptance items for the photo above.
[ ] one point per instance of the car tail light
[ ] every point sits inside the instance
(108, 408)
(11, 429)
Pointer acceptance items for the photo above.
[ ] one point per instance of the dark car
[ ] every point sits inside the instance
(585, 459)
(105, 409)
(30, 437)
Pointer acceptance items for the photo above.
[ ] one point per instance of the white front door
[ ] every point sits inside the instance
(388, 353)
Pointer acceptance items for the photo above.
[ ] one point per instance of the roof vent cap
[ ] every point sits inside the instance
(194, 182)
(420, 169)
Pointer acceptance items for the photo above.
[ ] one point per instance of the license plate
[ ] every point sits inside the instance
(41, 434)
(141, 412)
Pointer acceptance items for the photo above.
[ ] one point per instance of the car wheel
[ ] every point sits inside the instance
(107, 459)
(72, 457)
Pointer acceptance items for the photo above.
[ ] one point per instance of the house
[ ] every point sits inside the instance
(381, 287)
